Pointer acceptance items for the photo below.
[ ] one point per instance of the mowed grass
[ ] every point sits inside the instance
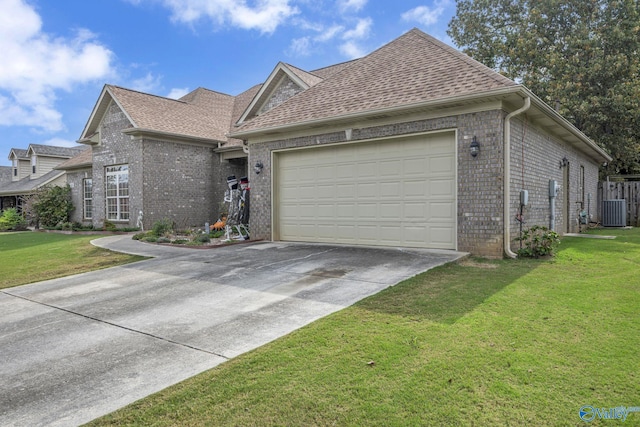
(504, 342)
(29, 257)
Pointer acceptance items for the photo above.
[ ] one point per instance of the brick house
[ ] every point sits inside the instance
(413, 145)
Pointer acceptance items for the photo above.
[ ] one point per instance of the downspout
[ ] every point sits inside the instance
(507, 176)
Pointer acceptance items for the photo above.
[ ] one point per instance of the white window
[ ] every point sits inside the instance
(15, 167)
(33, 164)
(87, 191)
(117, 192)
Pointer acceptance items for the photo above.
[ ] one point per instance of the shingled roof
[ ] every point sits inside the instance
(203, 113)
(413, 68)
(82, 160)
(54, 151)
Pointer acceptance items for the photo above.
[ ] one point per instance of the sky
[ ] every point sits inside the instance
(56, 56)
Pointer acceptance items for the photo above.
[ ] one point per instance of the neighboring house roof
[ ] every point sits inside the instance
(82, 160)
(5, 175)
(18, 153)
(202, 114)
(27, 185)
(413, 68)
(53, 151)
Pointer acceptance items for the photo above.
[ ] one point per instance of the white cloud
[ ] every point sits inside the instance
(148, 84)
(265, 16)
(350, 48)
(351, 5)
(361, 31)
(300, 47)
(329, 33)
(426, 15)
(35, 66)
(178, 92)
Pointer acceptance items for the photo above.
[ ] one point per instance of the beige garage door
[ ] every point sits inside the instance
(399, 192)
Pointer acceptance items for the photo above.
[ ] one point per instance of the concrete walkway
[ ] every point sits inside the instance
(76, 348)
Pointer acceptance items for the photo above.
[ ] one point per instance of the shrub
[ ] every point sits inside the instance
(163, 240)
(12, 220)
(217, 234)
(180, 241)
(109, 226)
(538, 241)
(162, 227)
(202, 238)
(53, 205)
(150, 239)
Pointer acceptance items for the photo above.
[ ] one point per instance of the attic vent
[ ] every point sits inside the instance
(614, 213)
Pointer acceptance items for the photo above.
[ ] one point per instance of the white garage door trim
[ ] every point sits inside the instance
(402, 190)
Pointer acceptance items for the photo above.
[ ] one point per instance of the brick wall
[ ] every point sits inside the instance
(184, 182)
(75, 180)
(116, 148)
(536, 162)
(285, 90)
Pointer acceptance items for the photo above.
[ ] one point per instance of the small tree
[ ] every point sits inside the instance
(12, 220)
(52, 205)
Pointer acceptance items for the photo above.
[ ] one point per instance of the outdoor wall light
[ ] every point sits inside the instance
(258, 167)
(474, 148)
(564, 162)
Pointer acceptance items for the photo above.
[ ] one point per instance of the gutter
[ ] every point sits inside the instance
(507, 176)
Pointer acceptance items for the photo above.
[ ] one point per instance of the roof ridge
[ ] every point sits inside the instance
(145, 93)
(489, 72)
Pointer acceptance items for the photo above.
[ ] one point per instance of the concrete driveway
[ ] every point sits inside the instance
(76, 348)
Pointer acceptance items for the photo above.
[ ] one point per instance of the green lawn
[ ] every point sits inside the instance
(524, 342)
(30, 257)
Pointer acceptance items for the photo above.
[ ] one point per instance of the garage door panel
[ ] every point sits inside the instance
(395, 192)
(441, 164)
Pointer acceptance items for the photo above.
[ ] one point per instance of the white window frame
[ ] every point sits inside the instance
(33, 164)
(117, 193)
(87, 198)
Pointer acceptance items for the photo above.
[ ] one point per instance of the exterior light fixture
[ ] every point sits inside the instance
(564, 162)
(474, 148)
(258, 167)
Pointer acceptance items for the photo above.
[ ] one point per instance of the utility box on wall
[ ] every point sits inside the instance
(614, 213)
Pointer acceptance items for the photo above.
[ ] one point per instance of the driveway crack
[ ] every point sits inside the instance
(105, 322)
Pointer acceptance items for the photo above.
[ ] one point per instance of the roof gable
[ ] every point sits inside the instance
(18, 154)
(413, 68)
(201, 114)
(282, 75)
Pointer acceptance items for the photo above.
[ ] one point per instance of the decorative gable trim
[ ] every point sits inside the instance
(275, 80)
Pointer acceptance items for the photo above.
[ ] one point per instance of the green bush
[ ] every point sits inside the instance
(538, 241)
(202, 238)
(109, 226)
(217, 234)
(180, 242)
(163, 240)
(12, 220)
(162, 227)
(53, 205)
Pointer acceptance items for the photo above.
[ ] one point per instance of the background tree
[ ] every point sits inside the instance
(580, 55)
